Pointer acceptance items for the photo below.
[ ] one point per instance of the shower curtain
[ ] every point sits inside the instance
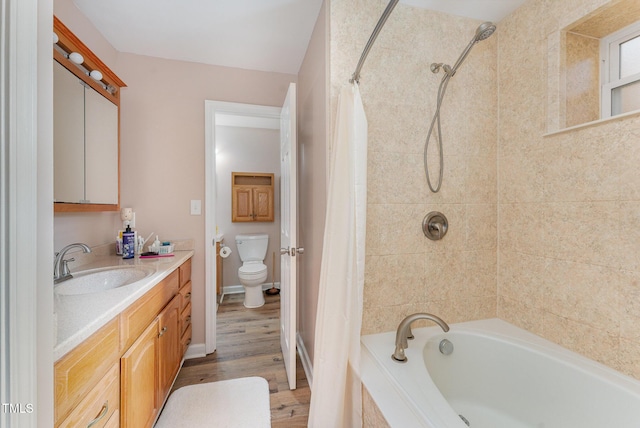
(336, 397)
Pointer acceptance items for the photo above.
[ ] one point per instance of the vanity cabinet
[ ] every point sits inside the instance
(139, 383)
(251, 197)
(122, 374)
(185, 306)
(83, 374)
(169, 349)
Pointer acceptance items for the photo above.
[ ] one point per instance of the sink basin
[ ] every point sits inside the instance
(96, 280)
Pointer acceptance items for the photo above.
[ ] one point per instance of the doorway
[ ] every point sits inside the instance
(220, 120)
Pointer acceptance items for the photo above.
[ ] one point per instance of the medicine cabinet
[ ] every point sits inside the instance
(86, 136)
(251, 196)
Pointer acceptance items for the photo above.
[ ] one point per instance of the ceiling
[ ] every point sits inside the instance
(265, 35)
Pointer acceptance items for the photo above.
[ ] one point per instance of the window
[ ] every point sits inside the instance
(620, 55)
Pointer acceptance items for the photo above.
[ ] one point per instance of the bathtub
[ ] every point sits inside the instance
(498, 376)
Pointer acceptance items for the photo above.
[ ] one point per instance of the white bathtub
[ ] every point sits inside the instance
(498, 376)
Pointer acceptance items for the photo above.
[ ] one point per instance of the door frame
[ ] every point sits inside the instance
(219, 110)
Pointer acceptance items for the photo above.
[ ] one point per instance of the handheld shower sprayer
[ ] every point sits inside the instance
(483, 32)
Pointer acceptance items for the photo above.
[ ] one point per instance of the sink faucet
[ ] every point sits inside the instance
(404, 331)
(60, 269)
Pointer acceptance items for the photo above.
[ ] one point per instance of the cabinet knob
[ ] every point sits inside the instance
(163, 331)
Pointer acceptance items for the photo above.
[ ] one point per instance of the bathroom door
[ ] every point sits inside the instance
(288, 237)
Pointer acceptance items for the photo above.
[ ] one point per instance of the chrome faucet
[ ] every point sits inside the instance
(60, 268)
(404, 332)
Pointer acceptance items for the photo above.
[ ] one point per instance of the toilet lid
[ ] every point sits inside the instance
(252, 268)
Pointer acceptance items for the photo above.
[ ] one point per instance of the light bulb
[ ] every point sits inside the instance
(76, 57)
(55, 38)
(96, 75)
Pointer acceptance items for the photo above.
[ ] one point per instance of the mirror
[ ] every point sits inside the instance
(86, 128)
(85, 134)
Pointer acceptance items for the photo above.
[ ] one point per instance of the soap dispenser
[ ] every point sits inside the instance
(128, 243)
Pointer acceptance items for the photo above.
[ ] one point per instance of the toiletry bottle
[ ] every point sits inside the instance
(128, 243)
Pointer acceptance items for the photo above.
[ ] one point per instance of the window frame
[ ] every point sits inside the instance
(610, 66)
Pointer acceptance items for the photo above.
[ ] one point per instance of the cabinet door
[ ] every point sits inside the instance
(101, 149)
(68, 134)
(263, 204)
(242, 204)
(139, 380)
(169, 355)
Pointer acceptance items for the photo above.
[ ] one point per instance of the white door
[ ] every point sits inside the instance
(288, 239)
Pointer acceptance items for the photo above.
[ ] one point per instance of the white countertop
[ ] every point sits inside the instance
(79, 316)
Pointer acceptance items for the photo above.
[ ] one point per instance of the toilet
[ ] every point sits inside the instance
(252, 249)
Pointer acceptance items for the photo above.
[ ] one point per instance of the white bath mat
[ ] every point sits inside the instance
(234, 403)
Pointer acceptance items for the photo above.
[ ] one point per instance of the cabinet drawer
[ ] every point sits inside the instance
(185, 318)
(185, 292)
(114, 420)
(100, 405)
(185, 273)
(81, 369)
(185, 341)
(137, 317)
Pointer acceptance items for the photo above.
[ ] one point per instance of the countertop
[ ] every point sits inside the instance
(79, 316)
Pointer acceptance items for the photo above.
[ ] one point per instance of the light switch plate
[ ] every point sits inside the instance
(196, 207)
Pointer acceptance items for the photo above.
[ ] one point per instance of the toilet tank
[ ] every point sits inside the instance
(252, 246)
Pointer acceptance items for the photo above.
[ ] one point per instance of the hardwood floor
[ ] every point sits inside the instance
(248, 344)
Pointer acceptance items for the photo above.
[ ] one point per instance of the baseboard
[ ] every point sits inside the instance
(196, 350)
(236, 289)
(307, 364)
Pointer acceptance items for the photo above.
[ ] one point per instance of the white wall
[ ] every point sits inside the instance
(240, 149)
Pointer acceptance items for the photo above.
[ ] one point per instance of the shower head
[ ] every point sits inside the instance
(484, 31)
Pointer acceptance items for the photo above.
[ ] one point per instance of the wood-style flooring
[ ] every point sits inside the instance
(248, 344)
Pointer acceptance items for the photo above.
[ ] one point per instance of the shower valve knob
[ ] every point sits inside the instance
(435, 225)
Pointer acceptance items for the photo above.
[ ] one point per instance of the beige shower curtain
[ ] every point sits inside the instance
(336, 399)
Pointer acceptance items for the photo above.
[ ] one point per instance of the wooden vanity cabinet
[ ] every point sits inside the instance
(185, 306)
(169, 349)
(122, 374)
(139, 384)
(82, 374)
(251, 196)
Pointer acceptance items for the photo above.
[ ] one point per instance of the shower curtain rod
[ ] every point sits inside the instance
(355, 77)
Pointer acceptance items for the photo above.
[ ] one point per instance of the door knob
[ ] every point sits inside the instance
(292, 251)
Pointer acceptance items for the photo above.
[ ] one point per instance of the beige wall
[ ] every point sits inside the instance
(405, 272)
(312, 173)
(568, 203)
(162, 144)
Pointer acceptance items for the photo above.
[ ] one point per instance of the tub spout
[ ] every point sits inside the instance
(404, 329)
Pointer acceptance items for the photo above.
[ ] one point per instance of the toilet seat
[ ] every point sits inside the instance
(252, 269)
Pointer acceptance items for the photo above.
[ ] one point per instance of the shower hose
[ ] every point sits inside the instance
(436, 121)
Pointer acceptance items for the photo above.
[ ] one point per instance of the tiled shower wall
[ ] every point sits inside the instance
(565, 261)
(405, 272)
(569, 203)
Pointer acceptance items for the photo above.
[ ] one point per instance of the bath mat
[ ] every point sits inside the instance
(231, 403)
